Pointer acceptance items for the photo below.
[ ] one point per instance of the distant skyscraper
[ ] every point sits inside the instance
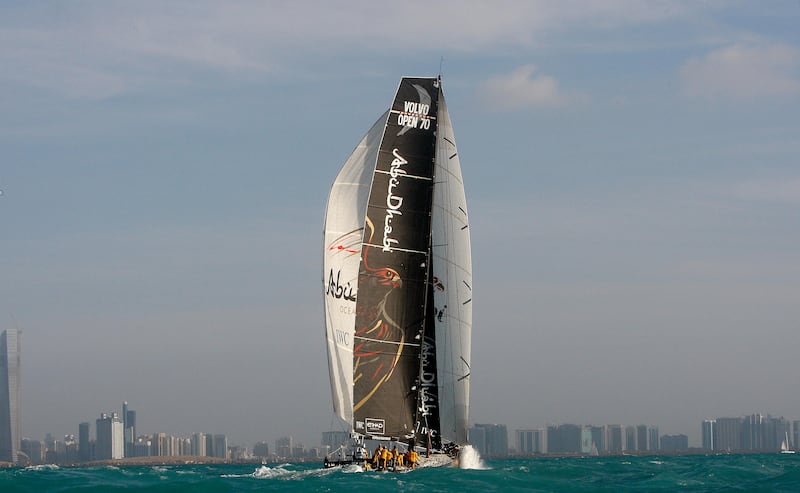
(641, 438)
(564, 439)
(709, 431)
(83, 442)
(109, 443)
(729, 434)
(630, 438)
(674, 443)
(199, 448)
(614, 438)
(653, 440)
(220, 447)
(531, 441)
(492, 439)
(283, 446)
(261, 449)
(10, 398)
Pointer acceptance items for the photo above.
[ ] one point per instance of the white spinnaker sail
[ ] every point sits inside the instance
(344, 227)
(452, 269)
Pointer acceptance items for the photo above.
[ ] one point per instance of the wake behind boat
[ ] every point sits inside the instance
(397, 278)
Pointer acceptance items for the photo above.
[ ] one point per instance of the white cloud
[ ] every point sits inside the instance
(523, 89)
(97, 49)
(743, 72)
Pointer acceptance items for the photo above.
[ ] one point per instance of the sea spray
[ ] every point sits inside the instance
(469, 458)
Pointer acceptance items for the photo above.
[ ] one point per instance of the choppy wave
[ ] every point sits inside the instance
(695, 473)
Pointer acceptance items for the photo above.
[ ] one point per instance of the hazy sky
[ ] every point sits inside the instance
(632, 170)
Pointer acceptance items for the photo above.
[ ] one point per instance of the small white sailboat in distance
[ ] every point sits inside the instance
(785, 444)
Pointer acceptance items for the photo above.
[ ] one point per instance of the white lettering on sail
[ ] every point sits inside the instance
(393, 202)
(342, 338)
(415, 115)
(427, 378)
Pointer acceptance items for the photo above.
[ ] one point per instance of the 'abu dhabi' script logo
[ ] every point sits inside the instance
(393, 202)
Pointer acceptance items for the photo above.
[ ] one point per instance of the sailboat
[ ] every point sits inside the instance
(785, 444)
(397, 283)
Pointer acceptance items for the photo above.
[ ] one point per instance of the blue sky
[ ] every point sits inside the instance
(631, 169)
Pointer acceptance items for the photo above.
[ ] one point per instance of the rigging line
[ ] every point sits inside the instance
(401, 343)
(394, 249)
(405, 176)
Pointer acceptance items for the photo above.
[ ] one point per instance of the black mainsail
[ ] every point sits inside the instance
(396, 256)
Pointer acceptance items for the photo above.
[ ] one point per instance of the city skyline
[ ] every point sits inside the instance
(630, 168)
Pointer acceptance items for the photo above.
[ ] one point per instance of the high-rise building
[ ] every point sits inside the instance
(261, 449)
(283, 446)
(128, 429)
(220, 447)
(674, 443)
(641, 438)
(199, 448)
(34, 449)
(630, 438)
(599, 438)
(109, 443)
(531, 441)
(332, 440)
(83, 442)
(564, 439)
(729, 434)
(492, 439)
(709, 431)
(10, 398)
(615, 438)
(653, 441)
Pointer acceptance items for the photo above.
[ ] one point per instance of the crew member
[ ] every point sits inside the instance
(412, 457)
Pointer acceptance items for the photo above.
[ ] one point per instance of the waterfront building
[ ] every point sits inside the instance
(674, 443)
(599, 437)
(709, 431)
(641, 438)
(161, 445)
(654, 442)
(491, 439)
(34, 449)
(586, 441)
(630, 438)
(261, 449)
(564, 439)
(220, 448)
(10, 395)
(109, 443)
(753, 432)
(729, 434)
(531, 442)
(795, 434)
(614, 438)
(199, 448)
(283, 446)
(129, 429)
(83, 442)
(334, 439)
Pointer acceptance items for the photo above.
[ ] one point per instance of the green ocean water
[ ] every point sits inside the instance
(718, 473)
